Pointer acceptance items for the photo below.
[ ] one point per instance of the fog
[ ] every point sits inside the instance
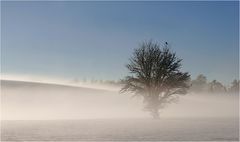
(39, 101)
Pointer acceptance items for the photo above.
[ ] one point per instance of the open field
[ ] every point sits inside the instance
(208, 129)
(46, 112)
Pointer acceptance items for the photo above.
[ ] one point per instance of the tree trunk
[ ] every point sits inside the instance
(155, 113)
(153, 103)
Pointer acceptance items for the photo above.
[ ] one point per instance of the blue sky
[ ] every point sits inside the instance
(94, 40)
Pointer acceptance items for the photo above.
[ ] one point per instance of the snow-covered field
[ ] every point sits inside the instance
(47, 112)
(194, 129)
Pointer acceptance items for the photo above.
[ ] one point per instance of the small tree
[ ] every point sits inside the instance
(156, 76)
(217, 87)
(199, 84)
(235, 86)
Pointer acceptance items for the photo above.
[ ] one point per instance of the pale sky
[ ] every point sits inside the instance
(94, 40)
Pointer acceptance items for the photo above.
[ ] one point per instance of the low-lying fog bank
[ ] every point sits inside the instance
(38, 101)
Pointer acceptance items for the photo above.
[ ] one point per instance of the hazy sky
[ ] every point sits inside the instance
(95, 39)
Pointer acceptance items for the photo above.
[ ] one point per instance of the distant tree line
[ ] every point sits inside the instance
(96, 81)
(198, 85)
(201, 85)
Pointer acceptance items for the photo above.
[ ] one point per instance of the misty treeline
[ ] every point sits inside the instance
(97, 82)
(201, 85)
(198, 85)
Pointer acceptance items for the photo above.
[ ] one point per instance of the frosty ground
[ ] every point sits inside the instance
(194, 129)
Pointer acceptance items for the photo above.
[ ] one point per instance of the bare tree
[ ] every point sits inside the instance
(156, 76)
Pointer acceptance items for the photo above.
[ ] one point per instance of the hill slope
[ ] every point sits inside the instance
(31, 100)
